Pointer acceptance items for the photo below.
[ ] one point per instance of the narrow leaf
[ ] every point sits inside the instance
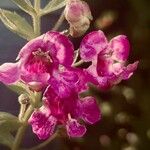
(53, 5)
(17, 24)
(6, 138)
(24, 5)
(8, 124)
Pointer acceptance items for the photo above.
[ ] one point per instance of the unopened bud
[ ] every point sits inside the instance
(23, 99)
(78, 14)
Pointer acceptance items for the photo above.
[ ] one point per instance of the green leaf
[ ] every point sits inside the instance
(8, 124)
(17, 24)
(53, 5)
(6, 138)
(24, 5)
(19, 88)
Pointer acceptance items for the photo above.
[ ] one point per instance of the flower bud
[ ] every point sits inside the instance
(23, 99)
(78, 14)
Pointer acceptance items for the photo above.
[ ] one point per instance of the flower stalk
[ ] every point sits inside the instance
(22, 129)
(59, 22)
(37, 17)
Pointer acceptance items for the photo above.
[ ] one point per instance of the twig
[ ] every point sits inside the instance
(59, 22)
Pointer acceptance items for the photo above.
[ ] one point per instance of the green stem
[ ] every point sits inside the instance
(21, 131)
(59, 22)
(37, 18)
(22, 111)
(78, 63)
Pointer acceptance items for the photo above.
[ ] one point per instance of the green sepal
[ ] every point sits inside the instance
(25, 5)
(19, 88)
(53, 5)
(8, 124)
(17, 24)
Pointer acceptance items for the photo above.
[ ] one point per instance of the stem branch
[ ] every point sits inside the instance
(36, 17)
(59, 22)
(21, 131)
(78, 63)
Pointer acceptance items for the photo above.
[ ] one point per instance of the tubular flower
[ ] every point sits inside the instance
(66, 80)
(78, 14)
(108, 59)
(37, 60)
(67, 111)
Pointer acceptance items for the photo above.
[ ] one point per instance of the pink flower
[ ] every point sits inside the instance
(67, 111)
(67, 80)
(108, 59)
(78, 14)
(38, 59)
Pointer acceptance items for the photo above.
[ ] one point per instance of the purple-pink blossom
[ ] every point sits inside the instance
(66, 111)
(108, 58)
(46, 63)
(38, 59)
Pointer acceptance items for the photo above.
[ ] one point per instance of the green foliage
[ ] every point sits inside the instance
(53, 5)
(19, 88)
(8, 124)
(17, 24)
(24, 5)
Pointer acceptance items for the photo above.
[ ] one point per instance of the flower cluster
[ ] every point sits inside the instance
(45, 64)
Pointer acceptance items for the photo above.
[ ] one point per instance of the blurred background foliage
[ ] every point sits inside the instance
(125, 123)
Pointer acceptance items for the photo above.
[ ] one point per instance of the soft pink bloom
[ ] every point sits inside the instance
(67, 111)
(108, 59)
(38, 59)
(78, 14)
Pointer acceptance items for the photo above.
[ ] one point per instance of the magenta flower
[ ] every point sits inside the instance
(67, 111)
(38, 59)
(108, 59)
(67, 80)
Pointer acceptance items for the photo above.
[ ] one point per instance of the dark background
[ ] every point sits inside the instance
(125, 123)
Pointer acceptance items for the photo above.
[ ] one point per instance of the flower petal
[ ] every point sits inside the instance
(36, 81)
(60, 47)
(42, 125)
(107, 67)
(68, 80)
(92, 44)
(120, 48)
(104, 66)
(60, 87)
(128, 71)
(103, 82)
(30, 47)
(74, 129)
(9, 73)
(76, 79)
(90, 110)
